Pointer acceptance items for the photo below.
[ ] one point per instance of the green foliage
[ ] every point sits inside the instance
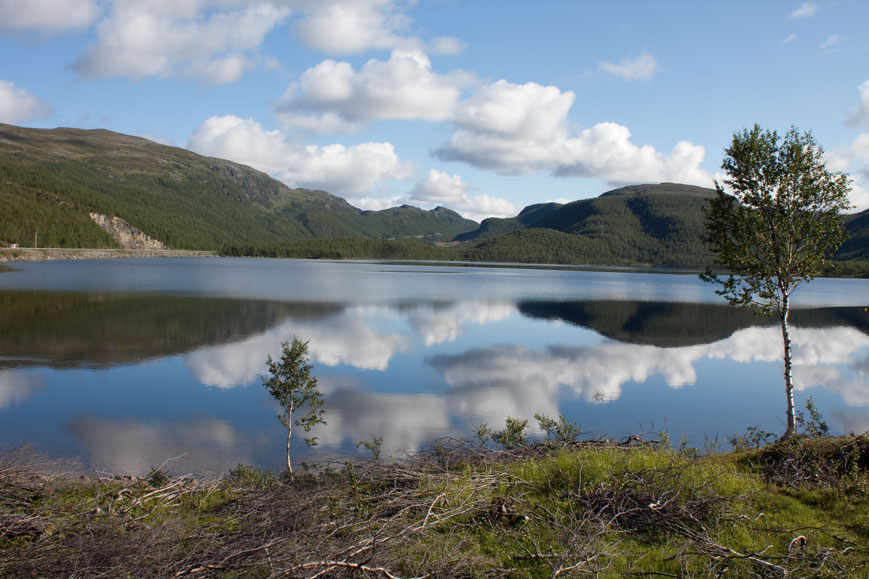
(346, 248)
(776, 226)
(814, 426)
(250, 478)
(779, 222)
(513, 435)
(560, 431)
(372, 445)
(295, 389)
(754, 437)
(855, 268)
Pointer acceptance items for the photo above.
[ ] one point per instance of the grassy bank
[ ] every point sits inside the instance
(555, 508)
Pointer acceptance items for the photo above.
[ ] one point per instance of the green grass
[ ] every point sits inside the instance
(460, 511)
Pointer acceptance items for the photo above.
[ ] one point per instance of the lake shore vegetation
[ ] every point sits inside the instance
(501, 505)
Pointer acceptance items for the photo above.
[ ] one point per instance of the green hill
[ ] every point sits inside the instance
(494, 226)
(640, 224)
(50, 180)
(660, 225)
(856, 247)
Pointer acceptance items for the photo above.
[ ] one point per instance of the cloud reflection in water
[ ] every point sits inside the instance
(364, 337)
(16, 387)
(488, 384)
(134, 447)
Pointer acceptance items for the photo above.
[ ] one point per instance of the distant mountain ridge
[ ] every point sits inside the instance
(649, 224)
(51, 179)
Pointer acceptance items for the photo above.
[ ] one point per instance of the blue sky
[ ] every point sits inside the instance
(481, 106)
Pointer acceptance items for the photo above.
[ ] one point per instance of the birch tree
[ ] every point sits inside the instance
(295, 388)
(772, 226)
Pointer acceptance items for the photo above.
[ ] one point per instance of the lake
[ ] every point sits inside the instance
(128, 363)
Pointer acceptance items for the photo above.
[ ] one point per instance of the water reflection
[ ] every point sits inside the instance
(16, 387)
(404, 422)
(93, 330)
(124, 373)
(445, 322)
(353, 336)
(364, 337)
(130, 446)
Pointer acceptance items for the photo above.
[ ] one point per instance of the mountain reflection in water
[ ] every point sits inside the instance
(136, 379)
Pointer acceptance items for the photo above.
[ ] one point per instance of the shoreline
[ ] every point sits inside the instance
(10, 255)
(793, 508)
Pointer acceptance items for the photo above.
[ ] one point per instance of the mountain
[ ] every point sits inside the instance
(494, 226)
(639, 224)
(658, 225)
(52, 180)
(77, 188)
(856, 247)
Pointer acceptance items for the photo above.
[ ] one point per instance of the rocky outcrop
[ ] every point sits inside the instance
(127, 236)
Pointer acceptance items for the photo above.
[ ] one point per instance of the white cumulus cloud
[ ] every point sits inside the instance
(353, 26)
(348, 171)
(519, 129)
(163, 39)
(643, 67)
(804, 10)
(47, 16)
(606, 151)
(440, 188)
(332, 96)
(529, 110)
(861, 113)
(854, 159)
(18, 104)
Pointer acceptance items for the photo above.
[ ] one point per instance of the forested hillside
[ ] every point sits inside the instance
(50, 180)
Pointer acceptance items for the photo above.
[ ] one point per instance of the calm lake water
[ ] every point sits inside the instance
(126, 363)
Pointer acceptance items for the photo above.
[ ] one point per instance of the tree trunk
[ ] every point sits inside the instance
(289, 466)
(789, 384)
(289, 435)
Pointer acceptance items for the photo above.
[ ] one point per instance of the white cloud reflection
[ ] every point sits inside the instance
(488, 384)
(133, 447)
(365, 337)
(357, 336)
(16, 387)
(598, 372)
(439, 324)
